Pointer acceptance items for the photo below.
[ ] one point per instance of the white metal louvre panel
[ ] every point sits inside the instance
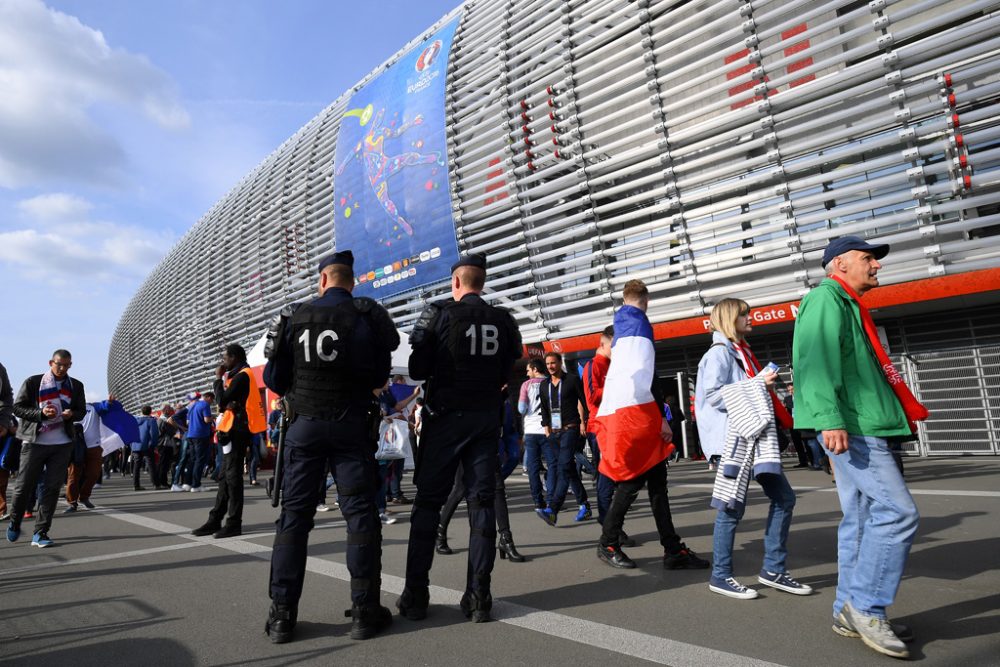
(709, 147)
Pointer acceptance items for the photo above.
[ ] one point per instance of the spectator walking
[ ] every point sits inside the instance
(850, 393)
(563, 410)
(595, 372)
(142, 451)
(199, 437)
(46, 406)
(529, 404)
(166, 447)
(83, 475)
(635, 437)
(731, 385)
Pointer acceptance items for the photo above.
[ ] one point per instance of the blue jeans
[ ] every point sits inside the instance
(534, 448)
(818, 453)
(396, 478)
(510, 455)
(384, 473)
(605, 485)
(202, 451)
(562, 476)
(779, 518)
(254, 462)
(880, 520)
(184, 460)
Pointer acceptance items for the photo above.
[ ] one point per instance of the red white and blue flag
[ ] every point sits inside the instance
(629, 421)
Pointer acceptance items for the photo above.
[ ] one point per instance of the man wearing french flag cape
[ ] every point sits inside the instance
(635, 438)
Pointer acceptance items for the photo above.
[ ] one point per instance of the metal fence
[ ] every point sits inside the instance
(707, 147)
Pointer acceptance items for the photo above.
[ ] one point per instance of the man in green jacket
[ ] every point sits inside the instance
(849, 393)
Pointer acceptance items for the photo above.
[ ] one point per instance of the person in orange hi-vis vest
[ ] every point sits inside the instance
(242, 417)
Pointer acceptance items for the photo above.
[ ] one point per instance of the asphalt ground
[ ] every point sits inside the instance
(127, 584)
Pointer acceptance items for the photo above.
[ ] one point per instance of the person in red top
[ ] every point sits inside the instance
(595, 372)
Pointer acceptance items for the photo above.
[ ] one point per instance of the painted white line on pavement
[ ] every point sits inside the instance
(655, 649)
(98, 559)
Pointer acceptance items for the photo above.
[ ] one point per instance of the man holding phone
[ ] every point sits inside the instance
(46, 407)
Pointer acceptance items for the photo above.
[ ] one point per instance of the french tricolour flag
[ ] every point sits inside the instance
(117, 427)
(629, 420)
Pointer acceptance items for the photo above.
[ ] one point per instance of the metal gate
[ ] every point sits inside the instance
(961, 388)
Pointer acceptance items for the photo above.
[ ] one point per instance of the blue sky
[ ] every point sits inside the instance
(123, 121)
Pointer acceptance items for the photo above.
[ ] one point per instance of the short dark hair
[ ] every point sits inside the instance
(236, 350)
(62, 353)
(609, 331)
(557, 356)
(340, 274)
(538, 365)
(147, 410)
(208, 395)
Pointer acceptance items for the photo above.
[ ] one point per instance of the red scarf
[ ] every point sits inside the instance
(914, 410)
(752, 367)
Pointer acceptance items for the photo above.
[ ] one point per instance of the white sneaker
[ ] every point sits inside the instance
(387, 519)
(97, 486)
(322, 508)
(176, 487)
(197, 489)
(185, 487)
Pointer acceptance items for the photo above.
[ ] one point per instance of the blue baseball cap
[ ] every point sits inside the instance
(843, 244)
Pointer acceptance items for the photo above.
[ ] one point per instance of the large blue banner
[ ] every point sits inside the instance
(393, 207)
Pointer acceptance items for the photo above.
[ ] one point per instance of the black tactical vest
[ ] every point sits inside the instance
(473, 356)
(323, 384)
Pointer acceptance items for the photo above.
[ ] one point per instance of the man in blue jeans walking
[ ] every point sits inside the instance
(852, 396)
(563, 408)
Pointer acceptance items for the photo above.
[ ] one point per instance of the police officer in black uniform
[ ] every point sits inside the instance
(465, 349)
(326, 357)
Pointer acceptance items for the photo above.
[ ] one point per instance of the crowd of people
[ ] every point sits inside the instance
(469, 424)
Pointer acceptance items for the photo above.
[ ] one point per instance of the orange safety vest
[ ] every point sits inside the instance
(254, 408)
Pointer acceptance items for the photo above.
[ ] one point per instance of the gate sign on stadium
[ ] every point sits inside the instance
(392, 204)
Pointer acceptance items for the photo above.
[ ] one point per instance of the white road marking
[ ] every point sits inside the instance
(658, 650)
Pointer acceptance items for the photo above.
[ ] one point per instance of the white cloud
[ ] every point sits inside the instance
(54, 71)
(62, 246)
(55, 207)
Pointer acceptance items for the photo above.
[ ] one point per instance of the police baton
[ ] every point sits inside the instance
(273, 485)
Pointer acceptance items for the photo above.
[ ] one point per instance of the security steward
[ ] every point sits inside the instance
(242, 417)
(326, 357)
(465, 348)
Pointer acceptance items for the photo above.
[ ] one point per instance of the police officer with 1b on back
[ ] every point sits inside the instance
(326, 357)
(465, 348)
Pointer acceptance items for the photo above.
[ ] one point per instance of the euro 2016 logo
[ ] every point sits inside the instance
(428, 56)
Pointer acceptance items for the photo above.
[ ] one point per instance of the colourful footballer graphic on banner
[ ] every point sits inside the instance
(392, 203)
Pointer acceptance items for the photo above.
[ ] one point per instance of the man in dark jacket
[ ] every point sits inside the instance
(46, 405)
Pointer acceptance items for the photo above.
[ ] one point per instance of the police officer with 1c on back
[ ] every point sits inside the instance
(466, 349)
(326, 357)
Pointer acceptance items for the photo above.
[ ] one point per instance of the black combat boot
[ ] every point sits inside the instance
(476, 606)
(280, 623)
(412, 604)
(369, 620)
(507, 548)
(441, 543)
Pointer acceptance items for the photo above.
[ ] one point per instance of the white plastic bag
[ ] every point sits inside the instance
(393, 440)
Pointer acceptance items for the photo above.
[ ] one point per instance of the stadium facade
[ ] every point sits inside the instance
(710, 148)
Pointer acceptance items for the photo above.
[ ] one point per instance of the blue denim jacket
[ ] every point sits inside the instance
(718, 367)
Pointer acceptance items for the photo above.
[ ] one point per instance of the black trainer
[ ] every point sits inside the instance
(280, 623)
(368, 620)
(615, 557)
(476, 606)
(413, 603)
(684, 559)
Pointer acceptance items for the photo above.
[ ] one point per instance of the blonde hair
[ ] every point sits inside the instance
(724, 314)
